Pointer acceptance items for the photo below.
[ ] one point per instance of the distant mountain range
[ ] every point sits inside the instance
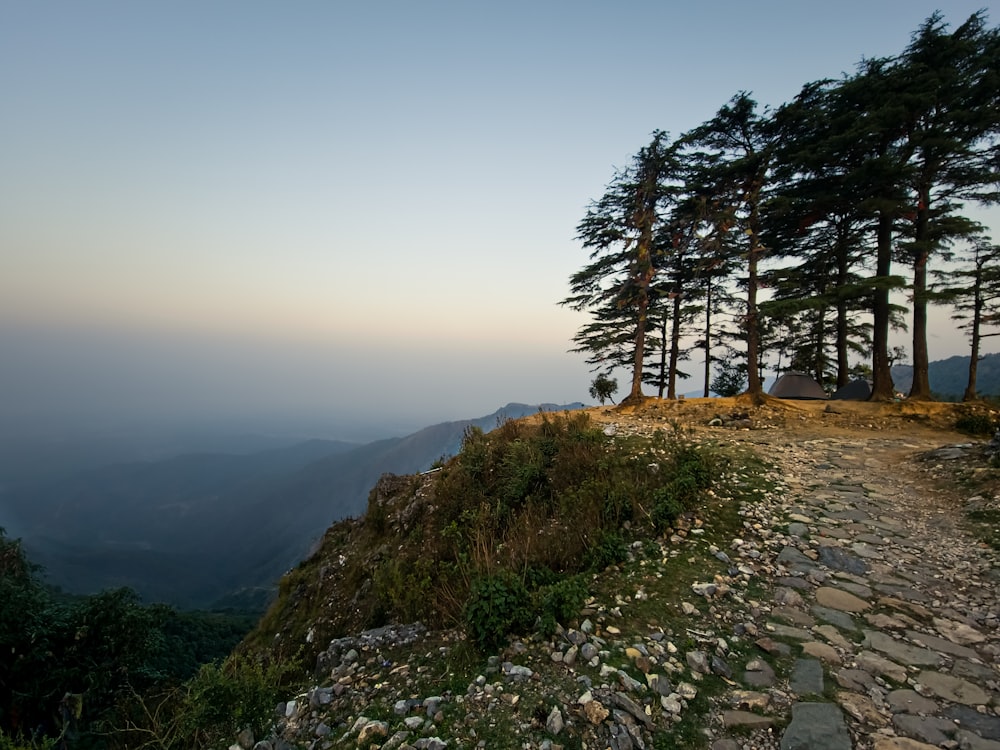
(209, 530)
(949, 377)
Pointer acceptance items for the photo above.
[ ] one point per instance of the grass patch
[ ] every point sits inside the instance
(986, 525)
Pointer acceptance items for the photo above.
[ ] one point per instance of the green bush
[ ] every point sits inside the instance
(222, 700)
(19, 742)
(976, 423)
(690, 474)
(610, 549)
(497, 606)
(561, 602)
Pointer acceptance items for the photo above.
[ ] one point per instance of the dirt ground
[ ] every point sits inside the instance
(800, 417)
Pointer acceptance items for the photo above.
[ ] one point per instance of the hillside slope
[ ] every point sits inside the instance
(948, 377)
(807, 604)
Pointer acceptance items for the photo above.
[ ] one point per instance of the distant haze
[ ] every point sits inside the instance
(81, 380)
(318, 216)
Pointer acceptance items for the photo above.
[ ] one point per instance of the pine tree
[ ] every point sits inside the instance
(973, 290)
(731, 158)
(864, 139)
(815, 222)
(620, 230)
(951, 111)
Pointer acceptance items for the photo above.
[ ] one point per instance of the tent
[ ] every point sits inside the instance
(796, 385)
(856, 390)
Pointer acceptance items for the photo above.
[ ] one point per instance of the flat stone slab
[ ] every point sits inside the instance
(930, 729)
(795, 561)
(870, 539)
(942, 645)
(902, 743)
(840, 600)
(910, 702)
(833, 532)
(971, 741)
(798, 529)
(972, 670)
(822, 651)
(758, 673)
(787, 631)
(867, 551)
(958, 632)
(851, 514)
(745, 719)
(900, 652)
(793, 582)
(794, 616)
(816, 726)
(834, 637)
(855, 679)
(874, 664)
(840, 559)
(982, 724)
(905, 606)
(858, 589)
(835, 617)
(953, 689)
(807, 677)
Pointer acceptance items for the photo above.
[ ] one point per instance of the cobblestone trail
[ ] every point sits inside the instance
(885, 607)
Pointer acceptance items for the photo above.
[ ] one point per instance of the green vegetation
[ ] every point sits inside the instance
(522, 511)
(500, 539)
(976, 423)
(603, 388)
(986, 523)
(71, 668)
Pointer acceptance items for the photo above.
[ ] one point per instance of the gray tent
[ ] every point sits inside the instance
(797, 385)
(856, 390)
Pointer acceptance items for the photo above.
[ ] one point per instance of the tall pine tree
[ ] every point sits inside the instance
(620, 229)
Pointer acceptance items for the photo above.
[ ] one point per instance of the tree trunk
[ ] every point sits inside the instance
(820, 345)
(708, 337)
(920, 390)
(977, 317)
(635, 394)
(754, 386)
(881, 375)
(675, 345)
(644, 276)
(843, 361)
(663, 356)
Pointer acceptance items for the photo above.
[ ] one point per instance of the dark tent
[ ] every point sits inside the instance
(856, 390)
(796, 385)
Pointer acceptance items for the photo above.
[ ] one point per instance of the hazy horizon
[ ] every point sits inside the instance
(255, 214)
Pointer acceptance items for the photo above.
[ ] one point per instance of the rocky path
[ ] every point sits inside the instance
(883, 629)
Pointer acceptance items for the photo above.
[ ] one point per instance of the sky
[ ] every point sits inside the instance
(329, 209)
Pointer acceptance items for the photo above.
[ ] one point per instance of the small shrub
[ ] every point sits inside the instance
(222, 700)
(975, 423)
(497, 606)
(8, 742)
(689, 475)
(610, 549)
(561, 602)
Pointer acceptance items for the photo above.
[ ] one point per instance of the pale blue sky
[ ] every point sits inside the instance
(215, 207)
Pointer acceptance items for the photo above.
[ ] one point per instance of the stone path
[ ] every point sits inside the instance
(882, 632)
